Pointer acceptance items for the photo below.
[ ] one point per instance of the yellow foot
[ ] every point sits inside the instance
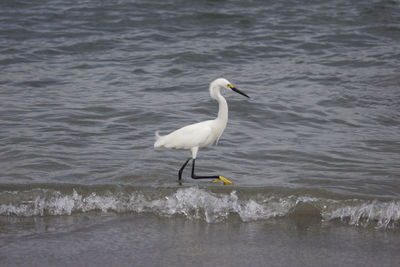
(224, 180)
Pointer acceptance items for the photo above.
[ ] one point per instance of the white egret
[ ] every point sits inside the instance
(195, 136)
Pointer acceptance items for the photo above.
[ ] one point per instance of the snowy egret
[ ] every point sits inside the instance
(195, 136)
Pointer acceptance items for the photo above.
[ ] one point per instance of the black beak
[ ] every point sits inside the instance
(239, 92)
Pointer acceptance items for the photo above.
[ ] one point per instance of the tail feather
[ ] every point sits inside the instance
(157, 135)
(158, 140)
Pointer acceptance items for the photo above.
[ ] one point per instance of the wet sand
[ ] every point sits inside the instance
(148, 240)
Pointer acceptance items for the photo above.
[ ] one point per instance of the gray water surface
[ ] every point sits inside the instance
(313, 154)
(85, 84)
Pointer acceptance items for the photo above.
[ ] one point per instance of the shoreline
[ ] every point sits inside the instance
(149, 240)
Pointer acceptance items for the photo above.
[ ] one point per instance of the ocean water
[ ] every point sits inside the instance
(313, 154)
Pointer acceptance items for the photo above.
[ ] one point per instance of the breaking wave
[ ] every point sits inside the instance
(199, 203)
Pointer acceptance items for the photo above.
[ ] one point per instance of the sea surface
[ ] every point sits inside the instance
(314, 154)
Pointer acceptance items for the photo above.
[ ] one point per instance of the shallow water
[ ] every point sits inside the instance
(84, 86)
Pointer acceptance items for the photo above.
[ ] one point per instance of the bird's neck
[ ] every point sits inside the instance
(222, 118)
(222, 110)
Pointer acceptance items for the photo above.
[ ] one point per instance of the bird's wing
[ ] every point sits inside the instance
(198, 134)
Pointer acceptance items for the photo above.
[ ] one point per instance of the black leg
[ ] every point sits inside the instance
(181, 169)
(194, 176)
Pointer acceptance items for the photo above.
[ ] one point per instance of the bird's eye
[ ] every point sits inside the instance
(230, 86)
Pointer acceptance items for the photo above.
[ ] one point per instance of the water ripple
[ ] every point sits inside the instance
(85, 85)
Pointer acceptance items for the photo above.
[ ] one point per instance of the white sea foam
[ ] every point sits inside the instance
(196, 203)
(381, 214)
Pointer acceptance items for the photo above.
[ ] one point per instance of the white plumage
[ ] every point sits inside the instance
(198, 135)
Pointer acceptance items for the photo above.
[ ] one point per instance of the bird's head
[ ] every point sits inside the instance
(223, 83)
